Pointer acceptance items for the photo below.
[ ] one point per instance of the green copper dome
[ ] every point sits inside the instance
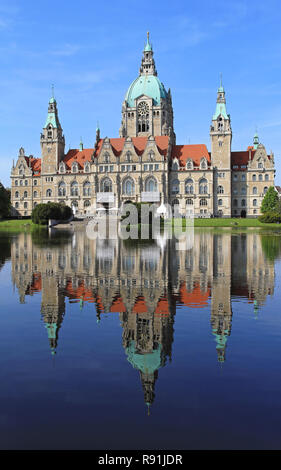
(148, 85)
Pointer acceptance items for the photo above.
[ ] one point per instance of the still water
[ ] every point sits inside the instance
(116, 345)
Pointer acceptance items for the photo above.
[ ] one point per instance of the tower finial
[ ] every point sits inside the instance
(221, 79)
(53, 90)
(148, 36)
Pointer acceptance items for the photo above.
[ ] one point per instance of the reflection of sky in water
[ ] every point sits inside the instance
(194, 335)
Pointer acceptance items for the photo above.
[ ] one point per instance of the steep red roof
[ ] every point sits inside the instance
(241, 159)
(35, 164)
(195, 152)
(81, 156)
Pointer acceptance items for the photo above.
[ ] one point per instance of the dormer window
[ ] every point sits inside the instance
(74, 167)
(189, 164)
(175, 165)
(62, 167)
(87, 167)
(203, 163)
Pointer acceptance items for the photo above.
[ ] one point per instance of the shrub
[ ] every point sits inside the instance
(270, 217)
(43, 212)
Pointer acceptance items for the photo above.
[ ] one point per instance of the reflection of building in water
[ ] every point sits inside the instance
(143, 284)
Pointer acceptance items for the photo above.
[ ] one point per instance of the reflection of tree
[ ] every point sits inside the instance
(5, 249)
(57, 238)
(271, 245)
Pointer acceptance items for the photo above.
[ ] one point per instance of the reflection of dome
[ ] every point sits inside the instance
(147, 363)
(148, 85)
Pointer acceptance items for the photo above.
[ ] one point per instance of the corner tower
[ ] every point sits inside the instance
(221, 136)
(147, 108)
(52, 140)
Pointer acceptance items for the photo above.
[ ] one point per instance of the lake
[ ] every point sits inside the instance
(113, 344)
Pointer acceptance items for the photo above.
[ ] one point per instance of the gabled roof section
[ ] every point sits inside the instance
(117, 144)
(79, 156)
(193, 152)
(35, 164)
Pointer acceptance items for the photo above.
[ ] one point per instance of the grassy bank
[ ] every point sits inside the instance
(17, 225)
(228, 223)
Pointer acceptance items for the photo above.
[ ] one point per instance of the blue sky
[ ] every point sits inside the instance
(92, 50)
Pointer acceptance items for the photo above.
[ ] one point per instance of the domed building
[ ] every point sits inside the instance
(147, 108)
(145, 164)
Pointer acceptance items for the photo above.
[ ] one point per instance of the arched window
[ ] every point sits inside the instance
(16, 183)
(49, 193)
(106, 185)
(254, 178)
(203, 186)
(189, 188)
(16, 205)
(265, 189)
(25, 194)
(35, 194)
(175, 186)
(189, 164)
(151, 156)
(128, 157)
(220, 202)
(128, 187)
(260, 165)
(87, 167)
(220, 124)
(255, 190)
(255, 202)
(25, 205)
(26, 183)
(260, 178)
(220, 190)
(203, 202)
(74, 188)
(21, 169)
(87, 203)
(243, 203)
(235, 202)
(86, 189)
(151, 184)
(16, 194)
(189, 201)
(62, 167)
(175, 165)
(50, 132)
(62, 189)
(266, 177)
(143, 117)
(243, 190)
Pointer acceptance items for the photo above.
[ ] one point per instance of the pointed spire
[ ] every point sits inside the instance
(221, 103)
(147, 64)
(148, 46)
(81, 144)
(52, 117)
(256, 140)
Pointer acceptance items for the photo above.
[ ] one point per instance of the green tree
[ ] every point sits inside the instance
(270, 201)
(5, 203)
(43, 212)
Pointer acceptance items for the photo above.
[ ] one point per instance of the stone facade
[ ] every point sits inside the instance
(145, 163)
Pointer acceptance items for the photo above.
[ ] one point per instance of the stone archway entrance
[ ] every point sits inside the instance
(243, 213)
